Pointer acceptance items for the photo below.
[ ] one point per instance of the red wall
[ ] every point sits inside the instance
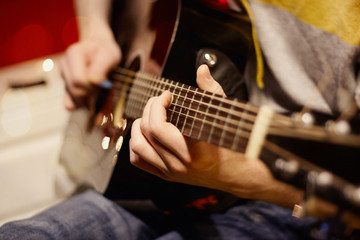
(35, 28)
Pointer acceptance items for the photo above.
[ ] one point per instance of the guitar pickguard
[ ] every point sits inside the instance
(202, 31)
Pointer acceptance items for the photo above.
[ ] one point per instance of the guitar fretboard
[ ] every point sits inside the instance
(213, 118)
(196, 113)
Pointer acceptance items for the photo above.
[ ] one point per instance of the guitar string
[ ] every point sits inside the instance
(312, 133)
(140, 98)
(280, 119)
(317, 132)
(152, 78)
(206, 121)
(248, 117)
(277, 130)
(137, 97)
(145, 76)
(136, 91)
(285, 120)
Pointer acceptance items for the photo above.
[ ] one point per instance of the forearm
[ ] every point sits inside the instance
(282, 194)
(93, 18)
(263, 186)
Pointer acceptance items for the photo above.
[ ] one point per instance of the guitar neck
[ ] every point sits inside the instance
(196, 113)
(216, 119)
(219, 120)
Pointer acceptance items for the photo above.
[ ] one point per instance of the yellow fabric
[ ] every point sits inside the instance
(340, 17)
(259, 59)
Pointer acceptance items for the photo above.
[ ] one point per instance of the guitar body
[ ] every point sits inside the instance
(171, 40)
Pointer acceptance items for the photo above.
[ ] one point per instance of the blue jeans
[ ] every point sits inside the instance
(89, 215)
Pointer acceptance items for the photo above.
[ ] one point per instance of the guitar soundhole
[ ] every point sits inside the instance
(119, 122)
(111, 116)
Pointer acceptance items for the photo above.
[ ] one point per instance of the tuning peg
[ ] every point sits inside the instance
(340, 127)
(287, 168)
(304, 118)
(352, 193)
(324, 179)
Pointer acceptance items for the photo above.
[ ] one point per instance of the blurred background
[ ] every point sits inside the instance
(34, 34)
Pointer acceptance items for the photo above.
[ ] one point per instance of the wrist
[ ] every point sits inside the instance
(263, 186)
(90, 29)
(283, 194)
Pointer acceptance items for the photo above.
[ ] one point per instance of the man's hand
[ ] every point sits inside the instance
(86, 64)
(158, 147)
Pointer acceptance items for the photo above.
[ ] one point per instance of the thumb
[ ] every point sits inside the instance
(206, 82)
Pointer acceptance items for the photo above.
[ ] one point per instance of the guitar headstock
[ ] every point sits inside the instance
(319, 154)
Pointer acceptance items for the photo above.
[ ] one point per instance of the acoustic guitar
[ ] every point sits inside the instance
(308, 149)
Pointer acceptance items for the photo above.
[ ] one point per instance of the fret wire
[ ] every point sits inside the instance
(138, 84)
(216, 114)
(225, 125)
(161, 86)
(148, 91)
(154, 87)
(193, 122)
(202, 125)
(176, 100)
(239, 127)
(197, 111)
(182, 104)
(137, 87)
(187, 112)
(129, 104)
(145, 89)
(168, 86)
